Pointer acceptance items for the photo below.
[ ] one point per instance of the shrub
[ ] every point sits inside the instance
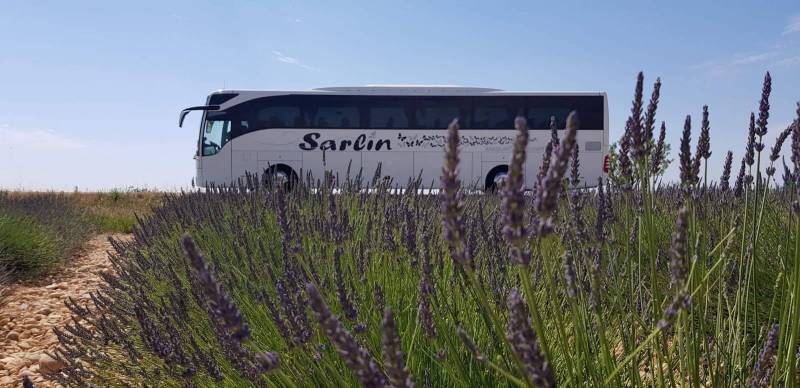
(27, 247)
(639, 285)
(39, 231)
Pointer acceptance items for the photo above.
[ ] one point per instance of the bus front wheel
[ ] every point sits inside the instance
(496, 177)
(280, 174)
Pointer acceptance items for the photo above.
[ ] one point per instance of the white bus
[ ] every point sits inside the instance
(400, 128)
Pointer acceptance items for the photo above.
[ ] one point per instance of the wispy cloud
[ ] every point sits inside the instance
(793, 25)
(730, 65)
(36, 138)
(280, 57)
(790, 61)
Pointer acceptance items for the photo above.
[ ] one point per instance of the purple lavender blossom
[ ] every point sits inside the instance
(623, 159)
(703, 144)
(357, 359)
(763, 107)
(796, 143)
(547, 200)
(525, 343)
(553, 133)
(513, 212)
(394, 362)
(452, 206)
(658, 154)
(764, 367)
(575, 167)
(738, 187)
(724, 181)
(749, 153)
(636, 136)
(679, 263)
(650, 116)
(776, 148)
(686, 166)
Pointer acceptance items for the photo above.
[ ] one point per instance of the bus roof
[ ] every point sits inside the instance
(430, 90)
(239, 96)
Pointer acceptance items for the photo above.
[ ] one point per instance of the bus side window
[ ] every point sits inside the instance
(280, 117)
(437, 113)
(342, 116)
(387, 115)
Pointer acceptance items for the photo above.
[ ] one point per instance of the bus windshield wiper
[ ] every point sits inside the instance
(201, 107)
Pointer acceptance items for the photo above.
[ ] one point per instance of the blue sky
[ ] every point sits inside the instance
(91, 90)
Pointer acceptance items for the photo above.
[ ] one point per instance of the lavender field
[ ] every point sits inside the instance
(631, 283)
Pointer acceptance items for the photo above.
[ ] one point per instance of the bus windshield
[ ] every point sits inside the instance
(216, 132)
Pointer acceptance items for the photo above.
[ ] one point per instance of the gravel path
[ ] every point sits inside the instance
(32, 309)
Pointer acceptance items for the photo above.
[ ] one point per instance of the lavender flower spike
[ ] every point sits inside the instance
(393, 358)
(738, 188)
(636, 136)
(452, 208)
(575, 167)
(686, 167)
(553, 132)
(514, 199)
(650, 116)
(763, 106)
(551, 185)
(724, 181)
(658, 153)
(749, 153)
(764, 367)
(357, 359)
(704, 141)
(679, 264)
(525, 343)
(776, 149)
(220, 303)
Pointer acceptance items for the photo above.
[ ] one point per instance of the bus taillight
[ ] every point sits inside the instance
(605, 164)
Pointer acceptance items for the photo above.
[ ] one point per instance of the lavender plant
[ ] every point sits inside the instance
(632, 284)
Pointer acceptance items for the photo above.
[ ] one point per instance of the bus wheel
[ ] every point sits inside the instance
(280, 174)
(495, 178)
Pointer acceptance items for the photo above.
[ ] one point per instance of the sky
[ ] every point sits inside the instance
(90, 90)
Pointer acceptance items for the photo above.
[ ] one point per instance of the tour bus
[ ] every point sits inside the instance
(402, 129)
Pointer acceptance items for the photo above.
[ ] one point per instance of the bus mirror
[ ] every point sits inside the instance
(187, 110)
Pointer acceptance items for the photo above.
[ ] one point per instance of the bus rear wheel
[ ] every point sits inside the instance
(280, 174)
(496, 177)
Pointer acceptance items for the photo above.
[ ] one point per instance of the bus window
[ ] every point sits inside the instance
(387, 114)
(496, 112)
(589, 108)
(437, 113)
(539, 117)
(343, 116)
(216, 133)
(280, 117)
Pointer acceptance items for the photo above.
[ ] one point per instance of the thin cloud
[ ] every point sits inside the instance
(736, 62)
(36, 138)
(280, 57)
(791, 61)
(793, 25)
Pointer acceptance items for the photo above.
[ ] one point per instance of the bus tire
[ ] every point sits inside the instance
(495, 175)
(280, 174)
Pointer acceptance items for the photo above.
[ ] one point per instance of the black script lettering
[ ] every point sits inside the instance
(359, 144)
(310, 140)
(382, 142)
(328, 145)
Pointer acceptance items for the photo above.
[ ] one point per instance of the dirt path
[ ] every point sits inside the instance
(32, 309)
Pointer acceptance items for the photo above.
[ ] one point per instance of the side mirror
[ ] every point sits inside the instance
(187, 110)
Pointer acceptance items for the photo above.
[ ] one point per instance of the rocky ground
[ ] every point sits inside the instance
(31, 310)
